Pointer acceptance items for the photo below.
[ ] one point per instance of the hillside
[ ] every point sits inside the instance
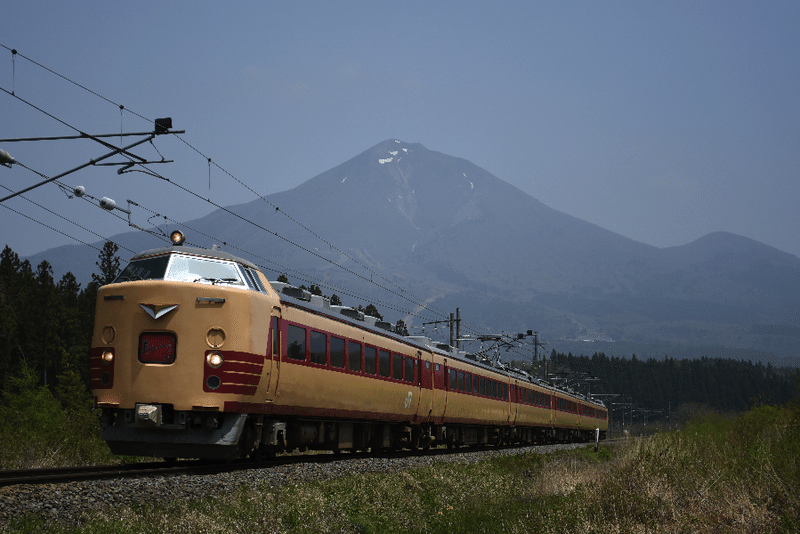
(436, 228)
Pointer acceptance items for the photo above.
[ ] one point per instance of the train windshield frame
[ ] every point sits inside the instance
(184, 268)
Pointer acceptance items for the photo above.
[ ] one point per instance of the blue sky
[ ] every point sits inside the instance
(661, 121)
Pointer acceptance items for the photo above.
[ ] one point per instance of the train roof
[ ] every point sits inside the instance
(302, 298)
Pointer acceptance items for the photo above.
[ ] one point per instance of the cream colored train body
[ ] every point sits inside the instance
(196, 354)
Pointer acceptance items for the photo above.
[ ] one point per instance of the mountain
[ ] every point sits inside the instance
(400, 224)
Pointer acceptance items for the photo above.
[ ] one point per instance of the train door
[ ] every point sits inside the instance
(273, 359)
(439, 392)
(425, 383)
(514, 399)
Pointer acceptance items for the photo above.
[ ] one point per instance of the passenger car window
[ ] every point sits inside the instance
(337, 352)
(409, 374)
(397, 366)
(297, 342)
(384, 363)
(370, 359)
(319, 342)
(354, 356)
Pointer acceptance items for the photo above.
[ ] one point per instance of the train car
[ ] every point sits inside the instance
(195, 354)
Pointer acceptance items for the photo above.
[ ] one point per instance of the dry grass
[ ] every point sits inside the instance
(715, 476)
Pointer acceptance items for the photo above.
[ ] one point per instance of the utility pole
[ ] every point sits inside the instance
(458, 328)
(455, 328)
(452, 329)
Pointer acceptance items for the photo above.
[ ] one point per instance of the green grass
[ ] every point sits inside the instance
(715, 475)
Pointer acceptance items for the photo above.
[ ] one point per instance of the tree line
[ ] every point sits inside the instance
(664, 385)
(46, 326)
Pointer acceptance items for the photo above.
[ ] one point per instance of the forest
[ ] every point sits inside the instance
(48, 324)
(674, 389)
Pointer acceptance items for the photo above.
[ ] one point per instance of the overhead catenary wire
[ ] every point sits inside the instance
(55, 229)
(403, 294)
(284, 269)
(210, 162)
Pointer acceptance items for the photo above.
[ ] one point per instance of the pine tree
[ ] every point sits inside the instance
(373, 311)
(108, 263)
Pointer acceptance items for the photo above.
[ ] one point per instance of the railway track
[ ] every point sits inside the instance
(53, 475)
(56, 475)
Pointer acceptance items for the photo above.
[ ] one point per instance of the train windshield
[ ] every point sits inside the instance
(183, 268)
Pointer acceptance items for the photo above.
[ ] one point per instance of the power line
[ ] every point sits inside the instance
(402, 294)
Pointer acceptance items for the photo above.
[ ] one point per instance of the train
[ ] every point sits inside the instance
(196, 354)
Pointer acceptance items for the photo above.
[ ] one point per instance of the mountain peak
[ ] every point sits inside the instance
(452, 233)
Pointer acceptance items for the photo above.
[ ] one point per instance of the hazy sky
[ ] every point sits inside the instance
(662, 121)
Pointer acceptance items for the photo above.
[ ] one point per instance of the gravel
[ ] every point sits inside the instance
(66, 502)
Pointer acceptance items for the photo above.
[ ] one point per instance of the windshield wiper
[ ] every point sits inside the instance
(215, 281)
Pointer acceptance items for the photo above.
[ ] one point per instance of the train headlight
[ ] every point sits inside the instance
(177, 237)
(214, 359)
(108, 356)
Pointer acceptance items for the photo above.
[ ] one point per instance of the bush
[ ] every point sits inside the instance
(39, 431)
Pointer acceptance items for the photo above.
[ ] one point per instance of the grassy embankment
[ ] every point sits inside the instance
(715, 475)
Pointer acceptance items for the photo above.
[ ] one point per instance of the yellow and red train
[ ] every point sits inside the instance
(195, 354)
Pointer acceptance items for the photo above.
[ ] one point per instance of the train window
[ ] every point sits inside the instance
(370, 360)
(147, 269)
(475, 385)
(275, 338)
(397, 366)
(453, 385)
(203, 270)
(297, 342)
(247, 276)
(318, 345)
(494, 389)
(409, 373)
(337, 352)
(384, 363)
(469, 383)
(461, 381)
(483, 386)
(354, 356)
(257, 280)
(505, 392)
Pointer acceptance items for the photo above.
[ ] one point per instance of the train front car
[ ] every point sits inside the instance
(179, 333)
